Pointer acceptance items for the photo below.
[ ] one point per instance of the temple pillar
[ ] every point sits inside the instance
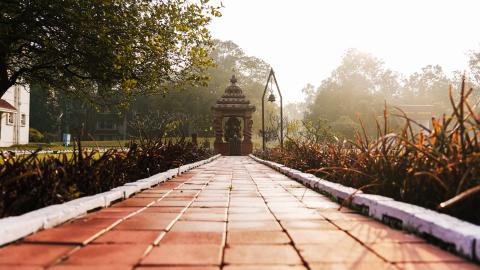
(217, 127)
(247, 128)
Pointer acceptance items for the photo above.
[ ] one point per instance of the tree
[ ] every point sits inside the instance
(42, 101)
(345, 127)
(317, 131)
(104, 51)
(429, 86)
(294, 110)
(474, 63)
(474, 80)
(358, 87)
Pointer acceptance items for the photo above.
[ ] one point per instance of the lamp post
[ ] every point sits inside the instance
(271, 98)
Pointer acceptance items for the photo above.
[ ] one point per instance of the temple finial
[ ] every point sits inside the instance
(233, 80)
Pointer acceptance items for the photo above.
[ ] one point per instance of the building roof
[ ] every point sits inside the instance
(6, 107)
(233, 99)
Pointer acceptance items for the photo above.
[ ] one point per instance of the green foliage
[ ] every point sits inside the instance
(44, 108)
(345, 127)
(35, 135)
(105, 51)
(272, 128)
(34, 181)
(438, 168)
(315, 131)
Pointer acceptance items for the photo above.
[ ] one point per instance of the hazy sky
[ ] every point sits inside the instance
(304, 40)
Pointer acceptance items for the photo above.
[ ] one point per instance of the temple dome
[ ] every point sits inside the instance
(233, 98)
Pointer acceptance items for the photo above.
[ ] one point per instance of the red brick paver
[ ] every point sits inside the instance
(232, 214)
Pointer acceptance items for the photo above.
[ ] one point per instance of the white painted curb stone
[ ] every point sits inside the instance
(463, 236)
(13, 228)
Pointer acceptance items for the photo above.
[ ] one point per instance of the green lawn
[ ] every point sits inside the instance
(89, 144)
(59, 146)
(35, 146)
(42, 156)
(257, 143)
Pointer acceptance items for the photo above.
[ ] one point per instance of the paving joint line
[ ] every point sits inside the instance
(292, 243)
(222, 262)
(156, 242)
(107, 229)
(336, 226)
(64, 257)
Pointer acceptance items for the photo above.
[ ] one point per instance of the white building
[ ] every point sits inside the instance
(14, 116)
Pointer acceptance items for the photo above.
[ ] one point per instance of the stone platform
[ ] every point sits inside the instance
(232, 214)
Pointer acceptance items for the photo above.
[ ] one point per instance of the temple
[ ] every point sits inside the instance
(233, 122)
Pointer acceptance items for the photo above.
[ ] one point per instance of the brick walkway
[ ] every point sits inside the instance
(232, 214)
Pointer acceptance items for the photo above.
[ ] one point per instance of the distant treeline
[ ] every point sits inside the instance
(361, 85)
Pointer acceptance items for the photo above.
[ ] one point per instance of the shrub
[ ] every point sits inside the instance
(34, 135)
(51, 137)
(32, 181)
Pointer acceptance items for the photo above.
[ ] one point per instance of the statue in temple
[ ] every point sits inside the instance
(233, 129)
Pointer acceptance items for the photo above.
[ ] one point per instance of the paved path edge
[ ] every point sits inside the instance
(17, 227)
(455, 235)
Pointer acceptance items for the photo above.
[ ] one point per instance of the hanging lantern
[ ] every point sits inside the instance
(271, 98)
